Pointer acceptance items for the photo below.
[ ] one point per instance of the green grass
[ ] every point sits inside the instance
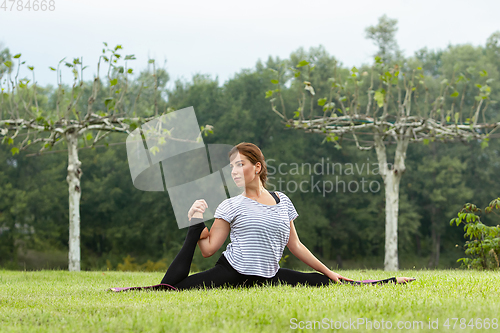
(59, 301)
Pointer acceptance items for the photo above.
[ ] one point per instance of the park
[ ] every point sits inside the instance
(386, 168)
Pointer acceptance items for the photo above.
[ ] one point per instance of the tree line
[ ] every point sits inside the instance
(344, 228)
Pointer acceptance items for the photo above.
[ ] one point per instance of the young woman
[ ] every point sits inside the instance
(260, 225)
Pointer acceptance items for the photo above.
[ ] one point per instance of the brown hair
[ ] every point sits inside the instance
(254, 155)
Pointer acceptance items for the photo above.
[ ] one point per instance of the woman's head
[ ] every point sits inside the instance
(247, 162)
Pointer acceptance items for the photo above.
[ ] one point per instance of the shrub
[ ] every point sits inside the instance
(130, 265)
(483, 245)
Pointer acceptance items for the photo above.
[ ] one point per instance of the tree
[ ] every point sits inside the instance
(384, 37)
(408, 106)
(440, 183)
(5, 56)
(69, 120)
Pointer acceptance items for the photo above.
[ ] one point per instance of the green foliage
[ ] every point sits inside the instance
(283, 259)
(5, 56)
(129, 265)
(117, 219)
(302, 63)
(322, 101)
(483, 246)
(383, 36)
(14, 231)
(380, 97)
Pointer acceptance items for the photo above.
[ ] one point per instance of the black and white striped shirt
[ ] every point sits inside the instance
(259, 233)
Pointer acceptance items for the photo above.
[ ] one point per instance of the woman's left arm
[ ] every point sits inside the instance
(303, 254)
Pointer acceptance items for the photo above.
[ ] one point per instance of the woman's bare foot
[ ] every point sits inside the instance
(401, 279)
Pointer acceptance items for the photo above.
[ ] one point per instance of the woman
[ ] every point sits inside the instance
(260, 225)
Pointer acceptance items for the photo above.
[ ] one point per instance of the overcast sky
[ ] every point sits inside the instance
(222, 37)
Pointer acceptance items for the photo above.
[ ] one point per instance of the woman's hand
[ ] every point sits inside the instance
(197, 209)
(404, 280)
(303, 254)
(337, 277)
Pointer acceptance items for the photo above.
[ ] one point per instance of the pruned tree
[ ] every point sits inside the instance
(403, 104)
(71, 119)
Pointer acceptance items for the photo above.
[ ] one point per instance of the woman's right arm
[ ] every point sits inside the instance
(216, 237)
(210, 241)
(300, 251)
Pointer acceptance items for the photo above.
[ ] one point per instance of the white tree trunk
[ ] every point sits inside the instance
(391, 182)
(73, 179)
(392, 178)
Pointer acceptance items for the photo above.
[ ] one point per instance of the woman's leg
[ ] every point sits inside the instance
(223, 274)
(179, 268)
(291, 277)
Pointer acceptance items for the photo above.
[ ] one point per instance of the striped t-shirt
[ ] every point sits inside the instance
(259, 233)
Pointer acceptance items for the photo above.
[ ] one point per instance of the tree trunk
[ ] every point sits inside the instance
(392, 178)
(391, 182)
(436, 237)
(73, 179)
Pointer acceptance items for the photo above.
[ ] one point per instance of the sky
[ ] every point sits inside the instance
(222, 37)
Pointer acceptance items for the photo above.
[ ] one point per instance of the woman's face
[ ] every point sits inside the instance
(242, 170)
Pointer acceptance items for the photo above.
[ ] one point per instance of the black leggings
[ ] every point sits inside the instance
(223, 274)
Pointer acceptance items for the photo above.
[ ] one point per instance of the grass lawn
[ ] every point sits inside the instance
(59, 301)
